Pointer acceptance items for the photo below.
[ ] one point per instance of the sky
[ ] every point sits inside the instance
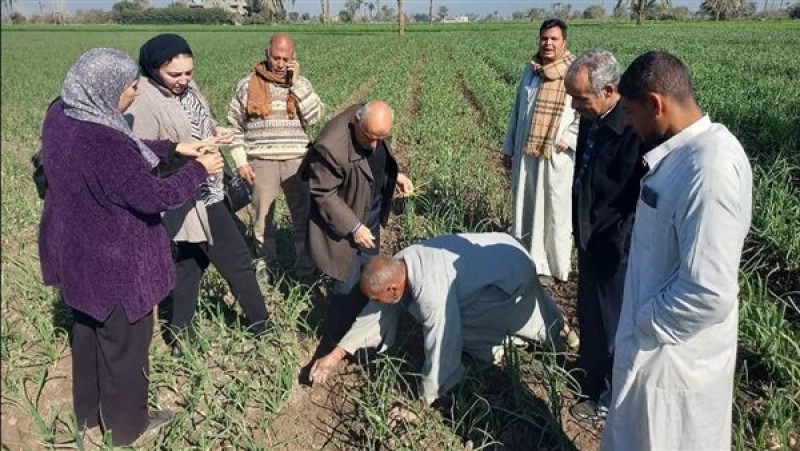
(455, 7)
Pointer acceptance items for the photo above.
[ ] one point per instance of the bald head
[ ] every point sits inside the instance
(281, 41)
(383, 279)
(377, 116)
(280, 54)
(374, 121)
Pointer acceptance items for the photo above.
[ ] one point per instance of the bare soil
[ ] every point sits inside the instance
(51, 395)
(317, 417)
(313, 417)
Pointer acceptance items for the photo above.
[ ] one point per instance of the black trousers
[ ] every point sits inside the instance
(347, 300)
(110, 367)
(230, 255)
(600, 287)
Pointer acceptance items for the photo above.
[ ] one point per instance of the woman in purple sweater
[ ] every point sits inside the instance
(101, 240)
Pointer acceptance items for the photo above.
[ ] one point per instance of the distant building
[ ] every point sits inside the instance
(459, 19)
(236, 6)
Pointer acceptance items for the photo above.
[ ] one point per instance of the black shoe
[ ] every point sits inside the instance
(260, 328)
(174, 336)
(307, 276)
(156, 420)
(177, 350)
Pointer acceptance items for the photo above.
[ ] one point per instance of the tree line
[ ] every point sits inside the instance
(275, 11)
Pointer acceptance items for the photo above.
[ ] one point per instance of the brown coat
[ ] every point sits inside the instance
(340, 182)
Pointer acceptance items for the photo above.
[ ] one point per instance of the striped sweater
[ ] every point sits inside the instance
(275, 137)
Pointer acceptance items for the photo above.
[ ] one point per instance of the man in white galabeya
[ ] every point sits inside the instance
(675, 349)
(539, 149)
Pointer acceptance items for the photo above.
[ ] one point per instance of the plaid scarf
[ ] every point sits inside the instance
(259, 94)
(548, 105)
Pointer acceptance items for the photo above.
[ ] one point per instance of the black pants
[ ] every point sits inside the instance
(110, 368)
(347, 300)
(230, 256)
(600, 286)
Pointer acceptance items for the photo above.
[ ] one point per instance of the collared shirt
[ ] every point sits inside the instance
(693, 214)
(675, 348)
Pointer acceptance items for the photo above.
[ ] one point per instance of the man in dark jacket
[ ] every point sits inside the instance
(606, 187)
(353, 178)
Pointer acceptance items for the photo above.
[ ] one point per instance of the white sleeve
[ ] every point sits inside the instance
(709, 226)
(570, 134)
(511, 130)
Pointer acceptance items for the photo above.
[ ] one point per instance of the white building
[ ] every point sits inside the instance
(236, 6)
(459, 19)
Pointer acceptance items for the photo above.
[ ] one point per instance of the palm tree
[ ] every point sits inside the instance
(639, 7)
(351, 6)
(273, 9)
(401, 18)
(276, 8)
(370, 8)
(325, 11)
(639, 11)
(386, 13)
(9, 6)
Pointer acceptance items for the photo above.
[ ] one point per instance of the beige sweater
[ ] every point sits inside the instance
(157, 114)
(275, 137)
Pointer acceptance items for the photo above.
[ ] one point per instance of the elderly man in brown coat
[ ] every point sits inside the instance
(353, 178)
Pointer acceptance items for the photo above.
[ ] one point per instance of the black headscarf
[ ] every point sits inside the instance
(158, 50)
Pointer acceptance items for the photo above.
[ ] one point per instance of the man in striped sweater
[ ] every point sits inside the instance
(270, 111)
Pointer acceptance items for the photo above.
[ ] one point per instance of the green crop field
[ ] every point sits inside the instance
(452, 90)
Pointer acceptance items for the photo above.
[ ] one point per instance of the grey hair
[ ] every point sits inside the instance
(379, 273)
(364, 111)
(601, 67)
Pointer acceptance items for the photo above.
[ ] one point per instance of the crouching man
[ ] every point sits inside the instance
(469, 292)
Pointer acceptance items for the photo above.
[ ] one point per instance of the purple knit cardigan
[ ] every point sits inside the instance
(100, 238)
